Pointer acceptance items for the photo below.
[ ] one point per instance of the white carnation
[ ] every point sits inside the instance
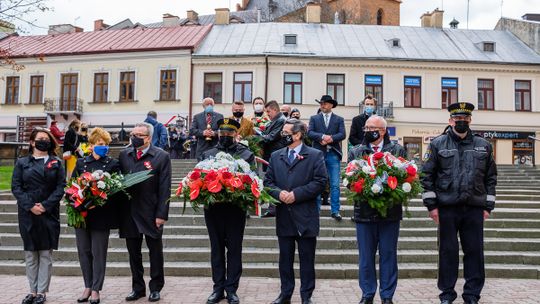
(366, 169)
(345, 182)
(101, 185)
(406, 187)
(376, 189)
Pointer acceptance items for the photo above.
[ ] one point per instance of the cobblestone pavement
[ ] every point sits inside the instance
(263, 290)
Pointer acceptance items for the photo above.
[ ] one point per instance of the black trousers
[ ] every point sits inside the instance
(225, 224)
(306, 252)
(92, 245)
(157, 277)
(468, 222)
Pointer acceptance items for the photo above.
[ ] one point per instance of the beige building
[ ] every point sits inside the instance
(105, 78)
(415, 71)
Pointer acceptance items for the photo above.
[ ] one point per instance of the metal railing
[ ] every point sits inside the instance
(63, 105)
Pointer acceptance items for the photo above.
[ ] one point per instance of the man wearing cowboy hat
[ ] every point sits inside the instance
(327, 130)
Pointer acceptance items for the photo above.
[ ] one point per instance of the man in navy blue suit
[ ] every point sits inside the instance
(296, 175)
(327, 130)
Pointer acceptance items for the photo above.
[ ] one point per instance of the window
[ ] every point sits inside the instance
(101, 87)
(374, 86)
(335, 87)
(413, 92)
(485, 94)
(523, 95)
(213, 86)
(36, 89)
(242, 86)
(449, 91)
(127, 86)
(167, 85)
(290, 39)
(489, 46)
(292, 88)
(68, 94)
(380, 17)
(12, 90)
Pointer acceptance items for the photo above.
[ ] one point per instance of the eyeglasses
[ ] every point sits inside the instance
(140, 135)
(370, 128)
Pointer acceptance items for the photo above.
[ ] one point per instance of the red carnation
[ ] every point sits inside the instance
(262, 128)
(378, 155)
(411, 170)
(195, 175)
(246, 179)
(211, 176)
(358, 186)
(411, 178)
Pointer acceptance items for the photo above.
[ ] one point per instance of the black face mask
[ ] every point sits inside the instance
(371, 136)
(137, 142)
(461, 126)
(286, 114)
(238, 114)
(287, 140)
(42, 145)
(226, 141)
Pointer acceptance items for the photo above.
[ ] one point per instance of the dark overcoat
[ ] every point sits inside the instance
(197, 128)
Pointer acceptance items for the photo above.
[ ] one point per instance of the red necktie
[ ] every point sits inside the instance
(375, 148)
(208, 119)
(139, 154)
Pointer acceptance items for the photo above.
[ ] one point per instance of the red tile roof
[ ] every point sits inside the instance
(107, 41)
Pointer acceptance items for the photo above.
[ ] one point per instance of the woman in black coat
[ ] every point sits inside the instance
(92, 241)
(71, 146)
(38, 185)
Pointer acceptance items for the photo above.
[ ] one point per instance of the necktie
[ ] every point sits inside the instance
(375, 148)
(139, 154)
(208, 118)
(291, 157)
(326, 118)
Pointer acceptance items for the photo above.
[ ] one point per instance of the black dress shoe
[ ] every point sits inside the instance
(336, 216)
(39, 299)
(94, 301)
(447, 302)
(82, 300)
(387, 301)
(134, 296)
(233, 298)
(471, 302)
(282, 300)
(366, 301)
(268, 214)
(307, 301)
(154, 296)
(215, 297)
(29, 299)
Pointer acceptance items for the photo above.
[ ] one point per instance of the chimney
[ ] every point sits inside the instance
(223, 16)
(63, 29)
(245, 4)
(99, 25)
(425, 19)
(437, 18)
(193, 16)
(313, 12)
(170, 20)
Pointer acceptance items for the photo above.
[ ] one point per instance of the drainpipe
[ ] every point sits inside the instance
(266, 78)
(190, 91)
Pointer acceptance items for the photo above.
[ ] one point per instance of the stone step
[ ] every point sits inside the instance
(323, 271)
(270, 255)
(416, 243)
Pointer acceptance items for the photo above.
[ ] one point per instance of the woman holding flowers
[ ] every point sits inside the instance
(38, 185)
(373, 229)
(93, 239)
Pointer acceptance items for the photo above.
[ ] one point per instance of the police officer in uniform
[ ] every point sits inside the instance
(459, 179)
(226, 222)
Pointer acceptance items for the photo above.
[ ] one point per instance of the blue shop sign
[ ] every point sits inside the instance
(373, 79)
(412, 81)
(391, 131)
(449, 82)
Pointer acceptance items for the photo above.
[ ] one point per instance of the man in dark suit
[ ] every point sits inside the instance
(226, 222)
(204, 127)
(271, 138)
(296, 175)
(147, 210)
(327, 130)
(356, 136)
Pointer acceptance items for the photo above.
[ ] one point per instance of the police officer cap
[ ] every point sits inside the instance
(228, 124)
(461, 108)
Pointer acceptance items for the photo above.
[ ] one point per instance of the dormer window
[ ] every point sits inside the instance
(290, 39)
(488, 46)
(395, 42)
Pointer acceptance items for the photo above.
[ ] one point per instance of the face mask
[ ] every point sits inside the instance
(102, 151)
(42, 145)
(258, 108)
(226, 141)
(238, 114)
(461, 126)
(371, 136)
(295, 116)
(288, 140)
(369, 110)
(286, 114)
(209, 109)
(137, 142)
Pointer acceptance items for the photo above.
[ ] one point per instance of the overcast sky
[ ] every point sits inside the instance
(484, 14)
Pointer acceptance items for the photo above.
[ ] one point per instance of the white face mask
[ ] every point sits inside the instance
(258, 108)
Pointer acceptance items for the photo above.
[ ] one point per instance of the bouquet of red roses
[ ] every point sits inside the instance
(382, 181)
(223, 179)
(92, 189)
(260, 123)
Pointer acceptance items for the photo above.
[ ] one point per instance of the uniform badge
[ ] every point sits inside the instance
(148, 165)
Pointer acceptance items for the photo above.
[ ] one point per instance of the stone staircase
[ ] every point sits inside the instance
(512, 238)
